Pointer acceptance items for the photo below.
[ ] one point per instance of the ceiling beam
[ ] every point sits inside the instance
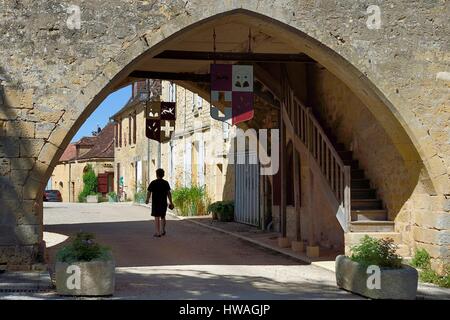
(234, 56)
(174, 76)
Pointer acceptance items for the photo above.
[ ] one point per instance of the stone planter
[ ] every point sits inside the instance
(92, 199)
(92, 278)
(394, 283)
(223, 217)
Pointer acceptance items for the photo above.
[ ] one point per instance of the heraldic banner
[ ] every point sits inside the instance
(160, 120)
(232, 86)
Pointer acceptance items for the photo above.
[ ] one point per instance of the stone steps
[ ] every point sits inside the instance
(363, 193)
(367, 204)
(352, 238)
(369, 215)
(372, 226)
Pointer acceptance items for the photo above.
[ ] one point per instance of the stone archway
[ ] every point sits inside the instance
(55, 77)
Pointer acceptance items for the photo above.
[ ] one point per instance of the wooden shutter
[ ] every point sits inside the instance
(102, 181)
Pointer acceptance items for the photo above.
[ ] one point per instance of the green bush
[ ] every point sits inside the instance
(191, 201)
(422, 260)
(83, 248)
(90, 184)
(382, 253)
(223, 210)
(141, 194)
(112, 196)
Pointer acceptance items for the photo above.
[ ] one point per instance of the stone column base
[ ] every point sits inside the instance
(20, 257)
(298, 246)
(284, 242)
(312, 251)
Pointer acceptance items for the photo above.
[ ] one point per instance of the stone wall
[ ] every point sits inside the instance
(54, 76)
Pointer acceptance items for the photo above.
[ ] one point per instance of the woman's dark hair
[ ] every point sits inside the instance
(159, 173)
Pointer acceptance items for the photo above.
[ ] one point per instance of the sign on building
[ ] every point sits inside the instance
(232, 87)
(160, 120)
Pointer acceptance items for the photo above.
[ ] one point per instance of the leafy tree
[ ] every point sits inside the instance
(90, 183)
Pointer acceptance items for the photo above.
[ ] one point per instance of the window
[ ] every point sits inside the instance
(116, 134)
(120, 133)
(194, 101)
(199, 102)
(134, 128)
(172, 92)
(130, 124)
(226, 130)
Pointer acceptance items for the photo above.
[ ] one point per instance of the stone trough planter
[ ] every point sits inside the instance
(394, 283)
(92, 278)
(92, 199)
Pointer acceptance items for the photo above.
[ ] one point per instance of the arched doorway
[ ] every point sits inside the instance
(147, 56)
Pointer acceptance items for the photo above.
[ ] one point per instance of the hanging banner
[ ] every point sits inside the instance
(232, 87)
(160, 120)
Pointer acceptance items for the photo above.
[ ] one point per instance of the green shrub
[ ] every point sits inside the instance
(421, 259)
(382, 253)
(191, 201)
(83, 248)
(112, 196)
(223, 210)
(141, 194)
(90, 184)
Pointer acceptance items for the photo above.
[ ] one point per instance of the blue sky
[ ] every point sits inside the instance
(113, 103)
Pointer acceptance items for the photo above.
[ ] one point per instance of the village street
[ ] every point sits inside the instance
(190, 262)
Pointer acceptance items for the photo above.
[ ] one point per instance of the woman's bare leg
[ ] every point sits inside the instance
(163, 222)
(157, 226)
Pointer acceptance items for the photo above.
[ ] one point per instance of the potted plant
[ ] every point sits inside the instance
(85, 268)
(376, 271)
(112, 196)
(222, 210)
(92, 198)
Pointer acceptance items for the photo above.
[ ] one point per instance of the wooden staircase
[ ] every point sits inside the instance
(361, 211)
(367, 212)
(368, 215)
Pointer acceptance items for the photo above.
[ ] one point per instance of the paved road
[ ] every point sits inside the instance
(190, 262)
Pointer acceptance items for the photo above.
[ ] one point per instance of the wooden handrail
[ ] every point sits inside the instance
(306, 127)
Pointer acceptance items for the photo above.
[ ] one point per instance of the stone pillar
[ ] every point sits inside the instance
(431, 228)
(20, 180)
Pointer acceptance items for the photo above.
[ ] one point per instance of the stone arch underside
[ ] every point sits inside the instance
(59, 86)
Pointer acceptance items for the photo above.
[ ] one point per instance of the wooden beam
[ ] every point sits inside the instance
(234, 56)
(182, 76)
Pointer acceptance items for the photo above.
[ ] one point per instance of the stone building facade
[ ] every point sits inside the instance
(183, 157)
(98, 152)
(52, 76)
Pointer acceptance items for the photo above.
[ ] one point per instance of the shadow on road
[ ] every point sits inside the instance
(185, 283)
(133, 245)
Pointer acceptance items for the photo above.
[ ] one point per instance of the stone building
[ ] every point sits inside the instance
(183, 157)
(96, 151)
(376, 149)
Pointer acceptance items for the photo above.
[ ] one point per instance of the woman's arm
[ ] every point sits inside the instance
(169, 195)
